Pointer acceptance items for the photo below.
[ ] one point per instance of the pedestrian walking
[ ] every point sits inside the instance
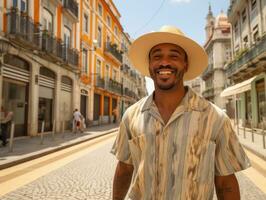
(5, 120)
(174, 144)
(77, 120)
(115, 114)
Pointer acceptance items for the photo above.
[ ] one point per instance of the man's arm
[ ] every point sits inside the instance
(227, 187)
(122, 180)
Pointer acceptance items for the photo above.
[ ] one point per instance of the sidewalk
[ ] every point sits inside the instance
(28, 148)
(255, 146)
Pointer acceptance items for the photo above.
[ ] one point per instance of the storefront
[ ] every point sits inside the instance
(15, 91)
(46, 99)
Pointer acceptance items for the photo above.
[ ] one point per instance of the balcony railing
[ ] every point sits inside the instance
(28, 34)
(246, 57)
(114, 86)
(57, 48)
(23, 28)
(100, 82)
(207, 73)
(72, 6)
(112, 49)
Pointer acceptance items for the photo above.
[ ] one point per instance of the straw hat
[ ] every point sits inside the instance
(140, 48)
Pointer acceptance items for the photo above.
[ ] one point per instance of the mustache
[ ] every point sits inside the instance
(166, 67)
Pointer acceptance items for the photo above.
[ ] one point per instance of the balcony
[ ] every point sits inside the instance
(246, 57)
(208, 72)
(112, 50)
(58, 50)
(114, 86)
(71, 8)
(21, 29)
(100, 82)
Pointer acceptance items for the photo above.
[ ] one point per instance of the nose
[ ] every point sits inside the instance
(164, 61)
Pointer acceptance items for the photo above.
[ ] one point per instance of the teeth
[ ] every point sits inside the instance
(164, 72)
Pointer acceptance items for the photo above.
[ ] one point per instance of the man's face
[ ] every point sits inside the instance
(167, 65)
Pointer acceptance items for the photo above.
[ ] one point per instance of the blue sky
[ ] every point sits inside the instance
(141, 16)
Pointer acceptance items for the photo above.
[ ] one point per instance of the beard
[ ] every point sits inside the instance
(168, 83)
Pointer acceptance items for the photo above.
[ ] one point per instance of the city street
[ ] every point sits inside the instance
(84, 172)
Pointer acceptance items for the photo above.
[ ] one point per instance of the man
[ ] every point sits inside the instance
(175, 145)
(77, 117)
(6, 118)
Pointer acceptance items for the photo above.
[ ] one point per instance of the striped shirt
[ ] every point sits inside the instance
(178, 160)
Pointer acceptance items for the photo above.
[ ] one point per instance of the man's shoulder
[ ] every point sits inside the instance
(136, 107)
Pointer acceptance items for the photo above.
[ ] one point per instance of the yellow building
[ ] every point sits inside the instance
(101, 58)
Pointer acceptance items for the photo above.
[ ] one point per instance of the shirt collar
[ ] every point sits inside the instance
(191, 101)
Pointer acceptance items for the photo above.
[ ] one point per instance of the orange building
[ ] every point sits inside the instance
(101, 58)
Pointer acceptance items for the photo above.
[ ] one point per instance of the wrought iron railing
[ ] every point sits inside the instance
(72, 6)
(112, 49)
(114, 86)
(249, 55)
(22, 27)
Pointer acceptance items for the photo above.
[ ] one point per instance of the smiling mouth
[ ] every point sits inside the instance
(165, 72)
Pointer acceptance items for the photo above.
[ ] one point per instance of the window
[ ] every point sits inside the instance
(100, 9)
(244, 16)
(253, 4)
(260, 88)
(108, 40)
(47, 21)
(114, 77)
(98, 68)
(107, 72)
(116, 33)
(108, 19)
(67, 36)
(85, 61)
(255, 33)
(86, 23)
(99, 38)
(15, 3)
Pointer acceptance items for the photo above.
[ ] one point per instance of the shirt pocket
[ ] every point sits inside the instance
(137, 148)
(201, 160)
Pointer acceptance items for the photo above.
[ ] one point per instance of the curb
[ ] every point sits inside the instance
(49, 151)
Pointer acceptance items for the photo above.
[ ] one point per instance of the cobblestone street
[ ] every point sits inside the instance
(90, 178)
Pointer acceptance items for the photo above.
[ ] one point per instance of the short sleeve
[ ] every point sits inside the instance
(229, 154)
(121, 146)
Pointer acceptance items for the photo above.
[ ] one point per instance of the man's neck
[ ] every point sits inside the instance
(167, 101)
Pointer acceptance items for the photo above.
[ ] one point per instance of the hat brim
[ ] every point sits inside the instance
(140, 48)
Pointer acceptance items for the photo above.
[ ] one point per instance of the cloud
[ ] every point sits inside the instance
(180, 1)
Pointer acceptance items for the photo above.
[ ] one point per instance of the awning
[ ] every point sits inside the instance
(238, 88)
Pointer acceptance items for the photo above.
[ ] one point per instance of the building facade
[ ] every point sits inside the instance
(246, 71)
(133, 82)
(218, 48)
(56, 56)
(39, 63)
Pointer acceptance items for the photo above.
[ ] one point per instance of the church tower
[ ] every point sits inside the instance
(210, 20)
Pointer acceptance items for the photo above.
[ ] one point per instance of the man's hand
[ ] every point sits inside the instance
(122, 180)
(227, 187)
